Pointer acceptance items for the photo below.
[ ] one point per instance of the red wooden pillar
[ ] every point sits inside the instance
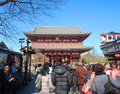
(70, 58)
(43, 60)
(34, 62)
(79, 59)
(52, 60)
(62, 58)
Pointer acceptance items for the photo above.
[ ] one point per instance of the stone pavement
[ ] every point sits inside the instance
(28, 89)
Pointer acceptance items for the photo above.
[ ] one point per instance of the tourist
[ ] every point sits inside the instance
(38, 82)
(61, 78)
(5, 80)
(46, 81)
(81, 76)
(98, 84)
(74, 84)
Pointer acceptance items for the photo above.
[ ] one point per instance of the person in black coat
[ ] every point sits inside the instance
(5, 80)
(74, 88)
(61, 78)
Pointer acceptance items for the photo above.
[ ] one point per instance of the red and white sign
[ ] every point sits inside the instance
(109, 37)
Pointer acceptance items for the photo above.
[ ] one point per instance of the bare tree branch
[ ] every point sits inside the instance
(25, 11)
(4, 2)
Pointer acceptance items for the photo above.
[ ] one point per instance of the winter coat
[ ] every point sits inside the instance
(4, 82)
(81, 75)
(46, 84)
(73, 76)
(38, 82)
(61, 79)
(100, 81)
(118, 79)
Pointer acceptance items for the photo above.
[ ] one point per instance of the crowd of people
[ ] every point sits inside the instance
(77, 78)
(65, 78)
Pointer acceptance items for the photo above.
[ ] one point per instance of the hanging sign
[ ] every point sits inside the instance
(109, 37)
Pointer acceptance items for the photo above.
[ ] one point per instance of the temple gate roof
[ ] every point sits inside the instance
(57, 30)
(45, 33)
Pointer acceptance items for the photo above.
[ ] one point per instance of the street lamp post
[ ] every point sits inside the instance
(26, 63)
(21, 40)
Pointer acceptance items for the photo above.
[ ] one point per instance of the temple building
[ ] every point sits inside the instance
(111, 46)
(65, 42)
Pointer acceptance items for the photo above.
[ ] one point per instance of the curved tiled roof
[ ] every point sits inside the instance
(53, 31)
(72, 48)
(56, 30)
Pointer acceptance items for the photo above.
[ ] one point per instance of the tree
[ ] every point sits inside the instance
(25, 11)
(92, 56)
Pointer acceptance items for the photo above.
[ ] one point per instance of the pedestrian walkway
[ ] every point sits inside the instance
(29, 89)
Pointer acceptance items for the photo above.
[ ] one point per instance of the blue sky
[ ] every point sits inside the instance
(95, 16)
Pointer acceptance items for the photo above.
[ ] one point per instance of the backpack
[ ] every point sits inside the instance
(110, 89)
(73, 77)
(74, 82)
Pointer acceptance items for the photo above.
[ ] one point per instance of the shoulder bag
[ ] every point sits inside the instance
(110, 89)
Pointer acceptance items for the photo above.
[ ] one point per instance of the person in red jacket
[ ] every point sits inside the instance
(81, 76)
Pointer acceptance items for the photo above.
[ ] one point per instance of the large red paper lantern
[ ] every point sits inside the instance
(117, 55)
